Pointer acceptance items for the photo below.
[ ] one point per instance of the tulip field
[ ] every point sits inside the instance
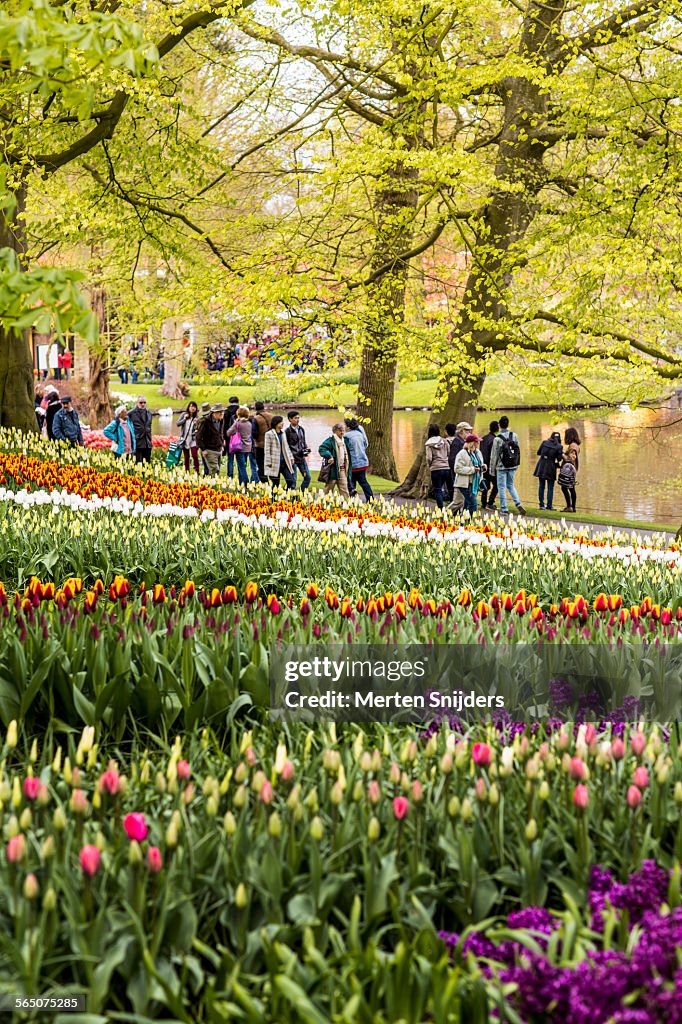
(172, 852)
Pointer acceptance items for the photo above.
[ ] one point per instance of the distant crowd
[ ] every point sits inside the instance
(465, 467)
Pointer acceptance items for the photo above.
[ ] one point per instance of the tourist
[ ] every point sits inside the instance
(448, 486)
(567, 478)
(437, 452)
(141, 421)
(298, 446)
(66, 425)
(240, 441)
(52, 407)
(462, 431)
(38, 399)
(121, 433)
(188, 423)
(550, 455)
(489, 482)
(210, 439)
(356, 439)
(336, 455)
(262, 421)
(53, 361)
(278, 460)
(67, 362)
(469, 469)
(505, 459)
(572, 442)
(228, 420)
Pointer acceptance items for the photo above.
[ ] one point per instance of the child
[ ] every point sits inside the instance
(567, 478)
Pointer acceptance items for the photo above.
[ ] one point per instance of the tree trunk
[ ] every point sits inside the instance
(171, 334)
(482, 325)
(17, 386)
(99, 401)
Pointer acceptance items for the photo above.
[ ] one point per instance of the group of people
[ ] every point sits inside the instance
(265, 448)
(465, 467)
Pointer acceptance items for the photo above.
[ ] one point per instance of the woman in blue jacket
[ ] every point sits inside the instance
(121, 433)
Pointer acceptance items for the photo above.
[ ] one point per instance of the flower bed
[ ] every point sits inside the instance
(95, 439)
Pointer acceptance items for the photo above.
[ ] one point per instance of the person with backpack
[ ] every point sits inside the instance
(550, 453)
(488, 481)
(262, 421)
(505, 459)
(437, 451)
(567, 478)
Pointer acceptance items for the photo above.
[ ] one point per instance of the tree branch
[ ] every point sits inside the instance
(618, 23)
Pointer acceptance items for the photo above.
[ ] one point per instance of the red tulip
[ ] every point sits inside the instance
(634, 797)
(31, 787)
(90, 858)
(154, 859)
(135, 826)
(480, 752)
(581, 796)
(401, 806)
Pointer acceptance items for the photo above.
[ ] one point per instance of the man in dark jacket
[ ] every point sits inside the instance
(210, 439)
(489, 483)
(141, 421)
(66, 425)
(461, 431)
(298, 447)
(53, 407)
(262, 421)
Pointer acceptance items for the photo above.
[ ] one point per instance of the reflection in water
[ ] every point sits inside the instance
(630, 462)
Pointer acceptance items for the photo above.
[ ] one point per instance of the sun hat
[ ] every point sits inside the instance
(472, 437)
(218, 408)
(463, 425)
(205, 408)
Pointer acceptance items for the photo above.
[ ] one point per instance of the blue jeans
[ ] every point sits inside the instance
(230, 463)
(360, 477)
(505, 482)
(439, 478)
(302, 468)
(550, 492)
(253, 465)
(470, 500)
(241, 467)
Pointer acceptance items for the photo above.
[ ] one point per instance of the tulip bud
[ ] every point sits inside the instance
(336, 795)
(467, 811)
(311, 801)
(453, 806)
(16, 792)
(25, 819)
(358, 790)
(230, 823)
(316, 828)
(241, 897)
(13, 827)
(240, 797)
(275, 825)
(446, 763)
(33, 754)
(31, 887)
(373, 829)
(49, 900)
(544, 790)
(241, 772)
(59, 819)
(211, 807)
(57, 762)
(12, 737)
(493, 795)
(531, 830)
(47, 849)
(68, 775)
(134, 852)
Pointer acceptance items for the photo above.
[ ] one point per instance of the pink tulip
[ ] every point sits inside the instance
(481, 789)
(641, 777)
(16, 849)
(637, 742)
(480, 753)
(154, 859)
(618, 749)
(184, 770)
(590, 734)
(250, 756)
(109, 782)
(266, 792)
(634, 797)
(31, 787)
(288, 771)
(135, 826)
(418, 791)
(577, 769)
(79, 802)
(581, 796)
(89, 858)
(374, 792)
(401, 806)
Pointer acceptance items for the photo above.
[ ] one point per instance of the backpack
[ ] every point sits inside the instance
(510, 452)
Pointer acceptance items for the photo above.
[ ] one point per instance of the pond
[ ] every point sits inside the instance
(630, 463)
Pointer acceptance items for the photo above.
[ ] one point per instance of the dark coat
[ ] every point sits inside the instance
(141, 420)
(229, 416)
(487, 447)
(456, 446)
(209, 434)
(50, 413)
(66, 427)
(297, 443)
(550, 453)
(328, 451)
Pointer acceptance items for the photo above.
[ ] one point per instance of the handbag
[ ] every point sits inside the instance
(235, 444)
(174, 454)
(325, 473)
